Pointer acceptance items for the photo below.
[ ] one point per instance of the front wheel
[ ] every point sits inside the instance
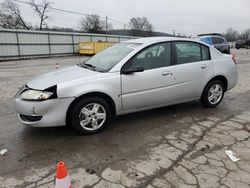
(213, 94)
(90, 115)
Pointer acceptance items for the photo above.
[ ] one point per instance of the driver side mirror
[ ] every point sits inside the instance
(132, 70)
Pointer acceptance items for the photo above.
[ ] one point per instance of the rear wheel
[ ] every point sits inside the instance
(90, 115)
(213, 94)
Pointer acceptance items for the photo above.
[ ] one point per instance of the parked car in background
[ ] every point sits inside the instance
(217, 41)
(243, 44)
(127, 77)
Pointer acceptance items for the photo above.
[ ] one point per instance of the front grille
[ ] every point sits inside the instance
(30, 118)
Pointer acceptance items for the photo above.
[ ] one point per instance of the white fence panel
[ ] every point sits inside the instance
(60, 39)
(18, 44)
(61, 49)
(28, 50)
(29, 38)
(6, 37)
(8, 51)
(79, 38)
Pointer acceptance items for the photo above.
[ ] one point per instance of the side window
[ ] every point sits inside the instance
(155, 56)
(187, 52)
(205, 53)
(207, 40)
(216, 40)
(222, 41)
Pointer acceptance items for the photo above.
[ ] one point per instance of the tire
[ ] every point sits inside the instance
(84, 117)
(207, 100)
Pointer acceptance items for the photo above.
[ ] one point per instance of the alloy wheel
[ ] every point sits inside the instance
(215, 93)
(92, 116)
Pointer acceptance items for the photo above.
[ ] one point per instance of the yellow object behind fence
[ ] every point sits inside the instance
(91, 48)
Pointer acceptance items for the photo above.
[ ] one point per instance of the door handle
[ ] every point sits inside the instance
(166, 73)
(204, 66)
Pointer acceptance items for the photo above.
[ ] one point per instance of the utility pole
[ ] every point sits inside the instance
(174, 31)
(106, 25)
(125, 27)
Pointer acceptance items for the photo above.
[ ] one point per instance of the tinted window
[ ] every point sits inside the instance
(155, 56)
(222, 40)
(218, 40)
(205, 53)
(187, 52)
(215, 40)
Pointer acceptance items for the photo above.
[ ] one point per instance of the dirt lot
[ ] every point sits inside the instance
(177, 146)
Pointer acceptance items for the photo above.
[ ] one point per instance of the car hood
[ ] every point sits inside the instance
(60, 76)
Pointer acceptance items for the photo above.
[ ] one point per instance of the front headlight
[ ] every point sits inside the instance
(35, 95)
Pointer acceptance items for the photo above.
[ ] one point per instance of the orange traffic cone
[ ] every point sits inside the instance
(62, 177)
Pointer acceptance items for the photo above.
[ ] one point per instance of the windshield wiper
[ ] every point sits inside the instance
(89, 65)
(86, 65)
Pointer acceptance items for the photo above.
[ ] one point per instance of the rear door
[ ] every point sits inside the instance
(152, 86)
(193, 69)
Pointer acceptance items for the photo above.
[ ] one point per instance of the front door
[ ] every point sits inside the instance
(152, 86)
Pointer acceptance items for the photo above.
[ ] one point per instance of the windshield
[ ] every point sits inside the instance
(108, 58)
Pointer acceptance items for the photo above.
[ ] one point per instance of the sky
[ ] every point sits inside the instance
(189, 17)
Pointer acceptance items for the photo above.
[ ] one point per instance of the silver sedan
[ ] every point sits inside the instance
(127, 77)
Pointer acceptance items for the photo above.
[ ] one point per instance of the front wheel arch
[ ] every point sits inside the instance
(104, 96)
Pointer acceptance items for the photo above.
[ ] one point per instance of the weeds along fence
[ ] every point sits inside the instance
(22, 44)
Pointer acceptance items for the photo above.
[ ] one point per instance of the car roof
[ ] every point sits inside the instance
(215, 36)
(151, 40)
(210, 34)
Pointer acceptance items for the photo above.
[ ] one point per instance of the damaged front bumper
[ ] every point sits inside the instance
(48, 113)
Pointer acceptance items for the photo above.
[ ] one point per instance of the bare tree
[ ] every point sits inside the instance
(245, 34)
(140, 26)
(231, 34)
(92, 24)
(11, 17)
(41, 11)
(6, 21)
